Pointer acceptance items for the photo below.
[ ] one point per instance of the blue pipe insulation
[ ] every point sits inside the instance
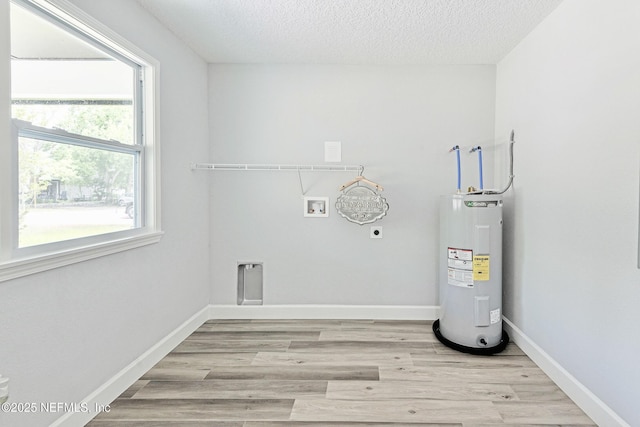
(480, 167)
(456, 148)
(459, 173)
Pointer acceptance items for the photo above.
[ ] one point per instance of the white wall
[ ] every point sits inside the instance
(397, 121)
(571, 90)
(65, 332)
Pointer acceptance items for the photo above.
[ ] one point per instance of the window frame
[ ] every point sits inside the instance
(16, 262)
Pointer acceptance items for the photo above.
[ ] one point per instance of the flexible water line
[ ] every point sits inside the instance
(480, 167)
(479, 150)
(459, 173)
(512, 140)
(456, 148)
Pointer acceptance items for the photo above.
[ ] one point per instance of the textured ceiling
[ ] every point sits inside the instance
(351, 31)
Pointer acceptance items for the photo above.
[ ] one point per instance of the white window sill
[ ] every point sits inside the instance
(14, 269)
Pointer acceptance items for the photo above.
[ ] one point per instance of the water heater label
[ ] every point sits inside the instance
(460, 267)
(481, 267)
(460, 254)
(495, 316)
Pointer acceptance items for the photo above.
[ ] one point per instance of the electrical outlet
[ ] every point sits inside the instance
(375, 232)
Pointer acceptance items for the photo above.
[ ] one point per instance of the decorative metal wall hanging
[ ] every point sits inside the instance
(361, 204)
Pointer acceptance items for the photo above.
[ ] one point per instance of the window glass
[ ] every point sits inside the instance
(75, 106)
(68, 191)
(60, 80)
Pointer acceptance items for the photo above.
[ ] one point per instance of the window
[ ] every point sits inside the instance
(83, 156)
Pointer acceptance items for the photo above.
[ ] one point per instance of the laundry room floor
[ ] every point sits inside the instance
(268, 373)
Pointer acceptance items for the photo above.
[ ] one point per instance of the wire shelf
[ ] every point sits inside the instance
(270, 167)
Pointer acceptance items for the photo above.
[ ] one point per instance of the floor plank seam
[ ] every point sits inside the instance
(265, 373)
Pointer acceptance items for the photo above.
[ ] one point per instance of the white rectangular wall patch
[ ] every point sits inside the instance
(333, 151)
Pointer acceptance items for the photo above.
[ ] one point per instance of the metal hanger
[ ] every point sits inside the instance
(360, 178)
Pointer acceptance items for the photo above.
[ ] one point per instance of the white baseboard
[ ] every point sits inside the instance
(303, 311)
(595, 408)
(114, 387)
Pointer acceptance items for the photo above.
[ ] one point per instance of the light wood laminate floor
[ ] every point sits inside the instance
(268, 373)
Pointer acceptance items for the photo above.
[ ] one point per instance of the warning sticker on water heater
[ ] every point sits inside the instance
(481, 267)
(460, 267)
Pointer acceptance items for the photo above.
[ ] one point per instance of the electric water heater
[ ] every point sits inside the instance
(471, 273)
